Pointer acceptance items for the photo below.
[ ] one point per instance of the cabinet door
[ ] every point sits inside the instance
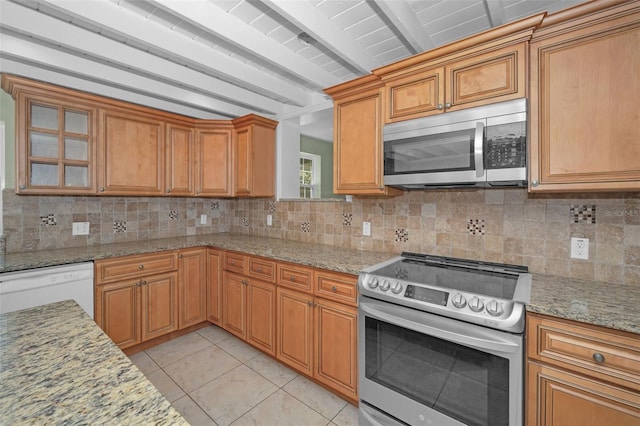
(336, 349)
(193, 287)
(261, 315)
(294, 321)
(131, 158)
(180, 152)
(214, 162)
(585, 98)
(491, 77)
(415, 95)
(56, 146)
(159, 305)
(263, 160)
(234, 304)
(117, 312)
(563, 399)
(243, 161)
(357, 148)
(214, 286)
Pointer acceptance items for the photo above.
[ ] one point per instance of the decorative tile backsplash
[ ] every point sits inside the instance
(494, 225)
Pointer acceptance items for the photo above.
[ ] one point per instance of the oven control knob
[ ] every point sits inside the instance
(396, 288)
(494, 308)
(475, 304)
(459, 301)
(373, 282)
(385, 285)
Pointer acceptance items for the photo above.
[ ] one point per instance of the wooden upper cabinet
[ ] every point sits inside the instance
(254, 162)
(131, 156)
(468, 81)
(357, 148)
(180, 158)
(214, 160)
(585, 103)
(56, 139)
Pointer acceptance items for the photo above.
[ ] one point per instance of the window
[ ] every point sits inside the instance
(309, 175)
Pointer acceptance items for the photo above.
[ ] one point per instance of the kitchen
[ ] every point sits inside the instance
(500, 225)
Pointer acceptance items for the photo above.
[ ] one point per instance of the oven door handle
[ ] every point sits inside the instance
(478, 155)
(444, 328)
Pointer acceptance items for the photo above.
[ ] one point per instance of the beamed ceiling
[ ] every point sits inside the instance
(228, 58)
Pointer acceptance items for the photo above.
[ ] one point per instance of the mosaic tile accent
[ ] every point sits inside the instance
(245, 221)
(347, 219)
(583, 214)
(305, 227)
(173, 215)
(48, 220)
(402, 235)
(120, 226)
(475, 226)
(272, 206)
(215, 205)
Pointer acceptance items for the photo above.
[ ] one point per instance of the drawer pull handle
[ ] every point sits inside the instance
(140, 266)
(598, 357)
(334, 289)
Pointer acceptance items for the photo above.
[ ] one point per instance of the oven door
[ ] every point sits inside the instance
(424, 369)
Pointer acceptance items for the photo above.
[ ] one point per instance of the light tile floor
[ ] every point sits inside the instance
(213, 378)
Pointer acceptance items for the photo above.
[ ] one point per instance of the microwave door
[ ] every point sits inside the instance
(439, 155)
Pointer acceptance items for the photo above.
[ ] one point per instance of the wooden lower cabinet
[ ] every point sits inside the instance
(318, 338)
(249, 310)
(134, 311)
(192, 286)
(214, 286)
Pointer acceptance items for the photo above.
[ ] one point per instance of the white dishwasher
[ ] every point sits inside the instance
(35, 287)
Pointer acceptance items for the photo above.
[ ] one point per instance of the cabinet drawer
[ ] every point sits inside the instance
(262, 269)
(295, 277)
(234, 262)
(135, 266)
(335, 286)
(595, 351)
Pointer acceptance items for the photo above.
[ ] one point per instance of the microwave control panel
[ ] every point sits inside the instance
(506, 153)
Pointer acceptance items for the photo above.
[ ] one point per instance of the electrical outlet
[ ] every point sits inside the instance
(580, 248)
(80, 228)
(203, 219)
(366, 229)
(269, 220)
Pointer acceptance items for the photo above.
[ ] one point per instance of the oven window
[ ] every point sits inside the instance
(452, 151)
(468, 385)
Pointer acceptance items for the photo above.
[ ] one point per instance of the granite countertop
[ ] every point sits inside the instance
(608, 305)
(58, 367)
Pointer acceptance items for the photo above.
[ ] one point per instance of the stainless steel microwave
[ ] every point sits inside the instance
(478, 147)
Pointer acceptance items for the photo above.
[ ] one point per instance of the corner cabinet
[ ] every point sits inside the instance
(581, 375)
(585, 102)
(358, 162)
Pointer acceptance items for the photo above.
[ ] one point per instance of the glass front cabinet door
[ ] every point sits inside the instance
(55, 146)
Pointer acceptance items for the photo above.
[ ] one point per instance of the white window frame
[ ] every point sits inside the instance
(316, 177)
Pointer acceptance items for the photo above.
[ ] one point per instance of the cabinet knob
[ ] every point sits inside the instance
(198, 192)
(440, 106)
(447, 105)
(168, 191)
(535, 182)
(101, 189)
(232, 263)
(381, 187)
(23, 186)
(598, 357)
(180, 255)
(334, 289)
(140, 266)
(310, 304)
(292, 278)
(143, 282)
(139, 283)
(259, 269)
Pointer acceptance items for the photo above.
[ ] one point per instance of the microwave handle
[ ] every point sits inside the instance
(477, 149)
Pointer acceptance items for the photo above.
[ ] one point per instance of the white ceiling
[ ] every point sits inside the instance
(228, 58)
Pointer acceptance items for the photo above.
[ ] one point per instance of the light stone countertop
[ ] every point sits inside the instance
(58, 367)
(608, 305)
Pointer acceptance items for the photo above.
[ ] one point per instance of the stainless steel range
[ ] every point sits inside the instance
(442, 342)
